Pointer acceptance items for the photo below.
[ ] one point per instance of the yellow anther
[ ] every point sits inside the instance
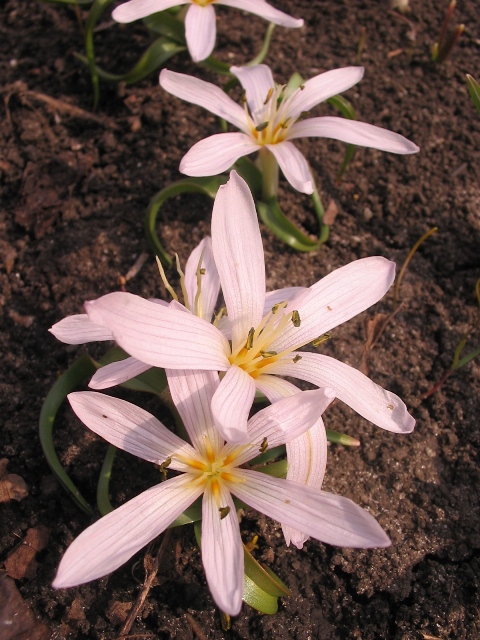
(264, 445)
(268, 354)
(297, 358)
(224, 511)
(295, 318)
(319, 340)
(269, 95)
(249, 342)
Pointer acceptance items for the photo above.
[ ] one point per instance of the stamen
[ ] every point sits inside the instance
(264, 445)
(269, 95)
(295, 318)
(297, 358)
(284, 125)
(319, 340)
(261, 127)
(279, 305)
(224, 511)
(197, 305)
(268, 354)
(163, 467)
(182, 282)
(218, 316)
(249, 342)
(168, 286)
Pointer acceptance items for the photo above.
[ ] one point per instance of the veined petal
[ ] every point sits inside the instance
(281, 295)
(352, 132)
(307, 461)
(257, 82)
(339, 296)
(217, 153)
(192, 393)
(160, 336)
(322, 87)
(293, 165)
(79, 329)
(130, 428)
(209, 280)
(204, 94)
(323, 516)
(238, 252)
(222, 550)
(136, 9)
(117, 373)
(383, 408)
(264, 10)
(275, 388)
(282, 421)
(231, 404)
(200, 31)
(113, 540)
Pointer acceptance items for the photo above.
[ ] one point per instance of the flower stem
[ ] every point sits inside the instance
(269, 167)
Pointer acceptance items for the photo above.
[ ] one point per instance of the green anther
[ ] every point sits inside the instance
(297, 358)
(284, 125)
(295, 318)
(163, 467)
(202, 272)
(264, 445)
(324, 338)
(249, 342)
(224, 511)
(269, 95)
(276, 307)
(261, 127)
(301, 87)
(268, 354)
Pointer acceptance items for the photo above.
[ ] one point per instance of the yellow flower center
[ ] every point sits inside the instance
(203, 3)
(271, 124)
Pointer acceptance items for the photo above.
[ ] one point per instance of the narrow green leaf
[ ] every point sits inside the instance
(258, 599)
(474, 91)
(344, 106)
(166, 24)
(342, 438)
(190, 515)
(268, 582)
(251, 174)
(80, 370)
(270, 454)
(152, 381)
(262, 54)
(276, 469)
(93, 17)
(468, 358)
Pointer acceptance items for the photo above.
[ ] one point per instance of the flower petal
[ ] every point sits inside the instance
(200, 31)
(204, 94)
(222, 550)
(275, 388)
(238, 252)
(339, 296)
(217, 153)
(117, 372)
(209, 280)
(136, 9)
(281, 295)
(307, 461)
(323, 516)
(353, 132)
(257, 82)
(320, 88)
(79, 329)
(231, 404)
(282, 421)
(264, 10)
(160, 336)
(130, 428)
(113, 540)
(381, 407)
(293, 165)
(192, 393)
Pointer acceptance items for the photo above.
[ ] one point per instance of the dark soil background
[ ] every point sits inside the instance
(74, 187)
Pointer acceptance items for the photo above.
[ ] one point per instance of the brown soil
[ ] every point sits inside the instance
(74, 188)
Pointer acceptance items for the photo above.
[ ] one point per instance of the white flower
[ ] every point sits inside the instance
(200, 25)
(269, 121)
(213, 469)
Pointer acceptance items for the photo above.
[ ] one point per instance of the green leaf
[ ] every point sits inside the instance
(276, 469)
(346, 109)
(93, 17)
(204, 186)
(80, 370)
(474, 91)
(152, 381)
(266, 580)
(166, 24)
(262, 54)
(342, 438)
(258, 599)
(190, 515)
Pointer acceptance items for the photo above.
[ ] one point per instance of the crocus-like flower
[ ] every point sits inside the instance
(200, 20)
(217, 471)
(268, 122)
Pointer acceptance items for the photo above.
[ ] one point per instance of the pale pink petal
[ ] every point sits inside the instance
(307, 461)
(204, 94)
(353, 132)
(225, 327)
(117, 373)
(281, 295)
(283, 421)
(113, 540)
(339, 296)
(209, 280)
(322, 87)
(293, 165)
(231, 404)
(381, 407)
(216, 154)
(130, 428)
(79, 329)
(222, 550)
(323, 516)
(160, 336)
(258, 83)
(136, 9)
(192, 393)
(264, 10)
(275, 388)
(200, 31)
(238, 252)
